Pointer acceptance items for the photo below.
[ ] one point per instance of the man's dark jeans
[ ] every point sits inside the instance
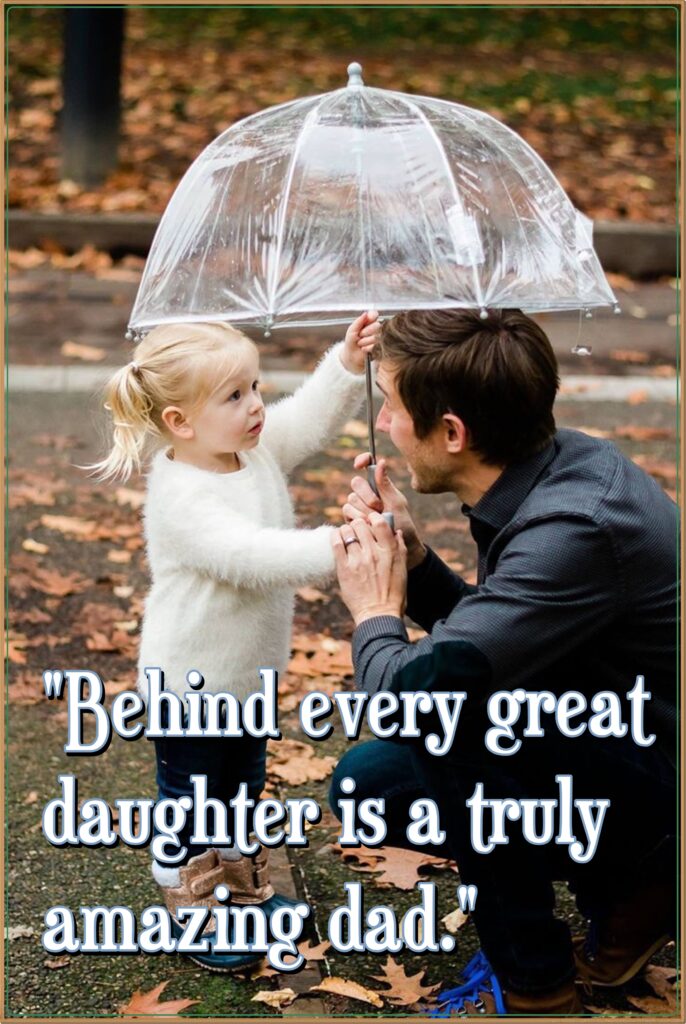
(530, 949)
(226, 761)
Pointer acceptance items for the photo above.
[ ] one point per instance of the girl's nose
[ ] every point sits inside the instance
(257, 404)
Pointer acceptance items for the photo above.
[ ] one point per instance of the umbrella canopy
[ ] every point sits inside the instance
(312, 210)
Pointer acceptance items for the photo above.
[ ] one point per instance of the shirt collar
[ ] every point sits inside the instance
(502, 499)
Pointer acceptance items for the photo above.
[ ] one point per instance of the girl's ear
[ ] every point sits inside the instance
(176, 423)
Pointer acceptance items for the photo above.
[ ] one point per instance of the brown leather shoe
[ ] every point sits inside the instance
(197, 881)
(620, 944)
(248, 878)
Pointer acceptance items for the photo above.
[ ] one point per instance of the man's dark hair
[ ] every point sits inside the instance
(499, 375)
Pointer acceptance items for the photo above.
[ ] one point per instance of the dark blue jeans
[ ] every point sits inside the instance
(529, 948)
(226, 761)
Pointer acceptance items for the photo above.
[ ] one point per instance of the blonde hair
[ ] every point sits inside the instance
(176, 364)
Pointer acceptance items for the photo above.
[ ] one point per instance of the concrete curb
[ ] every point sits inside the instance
(638, 250)
(575, 387)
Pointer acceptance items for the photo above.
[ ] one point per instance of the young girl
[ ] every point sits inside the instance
(224, 554)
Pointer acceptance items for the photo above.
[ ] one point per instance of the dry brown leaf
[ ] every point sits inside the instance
(142, 1003)
(405, 989)
(320, 655)
(34, 546)
(60, 961)
(277, 998)
(399, 868)
(31, 797)
(57, 584)
(118, 556)
(27, 260)
(314, 953)
(349, 989)
(128, 496)
(70, 525)
(632, 433)
(404, 868)
(294, 762)
(15, 649)
(360, 859)
(19, 931)
(355, 428)
(26, 689)
(637, 397)
(88, 353)
(455, 920)
(629, 355)
(663, 370)
(311, 594)
(662, 980)
(33, 615)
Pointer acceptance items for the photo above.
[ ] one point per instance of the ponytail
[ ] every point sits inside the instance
(130, 408)
(174, 364)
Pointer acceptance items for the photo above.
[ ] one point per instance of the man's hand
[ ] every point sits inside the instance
(371, 566)
(360, 338)
(362, 501)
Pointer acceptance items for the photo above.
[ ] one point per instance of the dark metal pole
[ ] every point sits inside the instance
(93, 40)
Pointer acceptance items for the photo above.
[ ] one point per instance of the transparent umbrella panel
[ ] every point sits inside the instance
(366, 198)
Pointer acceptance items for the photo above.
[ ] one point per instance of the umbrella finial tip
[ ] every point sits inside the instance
(483, 313)
(355, 74)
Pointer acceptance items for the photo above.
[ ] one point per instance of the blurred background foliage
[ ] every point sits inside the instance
(594, 89)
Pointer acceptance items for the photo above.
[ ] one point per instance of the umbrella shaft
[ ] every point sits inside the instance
(370, 407)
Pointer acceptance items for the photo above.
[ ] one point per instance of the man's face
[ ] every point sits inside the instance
(427, 460)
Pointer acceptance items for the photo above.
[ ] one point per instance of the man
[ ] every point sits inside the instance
(576, 594)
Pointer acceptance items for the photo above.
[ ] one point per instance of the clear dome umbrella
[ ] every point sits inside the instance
(311, 211)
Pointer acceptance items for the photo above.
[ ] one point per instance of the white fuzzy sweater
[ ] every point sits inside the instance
(224, 553)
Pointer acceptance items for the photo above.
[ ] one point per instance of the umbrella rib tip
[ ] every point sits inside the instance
(355, 74)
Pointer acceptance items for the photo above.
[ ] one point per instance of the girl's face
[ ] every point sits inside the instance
(232, 418)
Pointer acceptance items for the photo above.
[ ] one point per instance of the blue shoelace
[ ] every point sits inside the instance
(479, 978)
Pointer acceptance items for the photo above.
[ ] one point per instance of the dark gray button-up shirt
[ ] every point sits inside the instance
(577, 590)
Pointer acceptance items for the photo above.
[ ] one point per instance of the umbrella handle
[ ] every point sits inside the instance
(371, 479)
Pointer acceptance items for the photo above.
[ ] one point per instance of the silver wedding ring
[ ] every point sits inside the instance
(350, 540)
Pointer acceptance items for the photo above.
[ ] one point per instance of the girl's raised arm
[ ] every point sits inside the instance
(304, 423)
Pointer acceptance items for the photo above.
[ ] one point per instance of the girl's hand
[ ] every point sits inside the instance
(371, 567)
(360, 338)
(362, 501)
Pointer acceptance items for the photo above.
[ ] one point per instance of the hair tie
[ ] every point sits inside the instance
(135, 368)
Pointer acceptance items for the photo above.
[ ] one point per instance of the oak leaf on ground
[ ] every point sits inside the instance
(142, 1003)
(399, 868)
(293, 761)
(405, 989)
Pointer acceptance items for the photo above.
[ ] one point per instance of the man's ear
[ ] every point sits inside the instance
(176, 423)
(456, 433)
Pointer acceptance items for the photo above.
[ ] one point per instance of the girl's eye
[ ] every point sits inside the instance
(234, 396)
(256, 385)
